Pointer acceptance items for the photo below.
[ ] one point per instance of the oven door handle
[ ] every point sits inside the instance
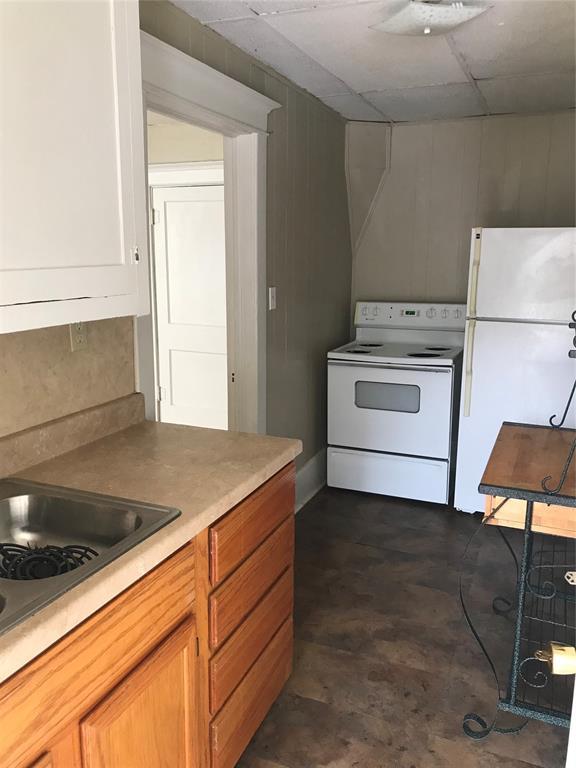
(385, 366)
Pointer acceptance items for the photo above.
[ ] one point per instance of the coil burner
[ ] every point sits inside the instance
(23, 563)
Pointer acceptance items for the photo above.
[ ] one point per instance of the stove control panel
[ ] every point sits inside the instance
(381, 314)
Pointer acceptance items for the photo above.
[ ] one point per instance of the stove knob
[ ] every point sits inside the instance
(375, 312)
(457, 313)
(444, 313)
(364, 311)
(430, 313)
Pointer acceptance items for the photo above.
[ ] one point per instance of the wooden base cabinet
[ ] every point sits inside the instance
(180, 669)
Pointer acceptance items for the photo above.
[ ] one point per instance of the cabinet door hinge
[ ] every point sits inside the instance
(155, 216)
(197, 646)
(233, 376)
(161, 394)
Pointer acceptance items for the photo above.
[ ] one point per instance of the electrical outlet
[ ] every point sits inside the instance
(272, 297)
(78, 336)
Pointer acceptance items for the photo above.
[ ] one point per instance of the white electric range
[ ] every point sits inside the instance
(393, 399)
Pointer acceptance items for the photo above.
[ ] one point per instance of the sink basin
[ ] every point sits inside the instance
(53, 538)
(38, 519)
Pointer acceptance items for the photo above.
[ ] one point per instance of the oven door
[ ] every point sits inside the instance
(397, 409)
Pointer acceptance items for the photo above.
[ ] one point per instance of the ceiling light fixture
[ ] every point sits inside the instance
(430, 17)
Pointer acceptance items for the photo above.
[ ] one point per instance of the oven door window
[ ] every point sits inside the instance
(382, 396)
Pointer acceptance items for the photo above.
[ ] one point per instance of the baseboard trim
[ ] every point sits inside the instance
(310, 478)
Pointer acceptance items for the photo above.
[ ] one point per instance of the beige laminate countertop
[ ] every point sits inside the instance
(201, 472)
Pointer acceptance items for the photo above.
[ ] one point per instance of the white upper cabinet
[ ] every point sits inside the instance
(73, 242)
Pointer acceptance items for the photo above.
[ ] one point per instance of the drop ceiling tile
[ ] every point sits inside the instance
(263, 42)
(519, 37)
(429, 103)
(529, 93)
(353, 107)
(341, 40)
(215, 10)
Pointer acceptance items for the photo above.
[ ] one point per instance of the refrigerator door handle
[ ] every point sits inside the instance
(474, 274)
(470, 331)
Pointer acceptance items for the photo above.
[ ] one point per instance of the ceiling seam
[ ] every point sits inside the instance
(317, 9)
(464, 66)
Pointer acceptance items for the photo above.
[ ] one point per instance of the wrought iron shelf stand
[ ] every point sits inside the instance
(545, 602)
(546, 611)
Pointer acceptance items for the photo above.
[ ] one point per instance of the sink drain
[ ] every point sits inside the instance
(24, 563)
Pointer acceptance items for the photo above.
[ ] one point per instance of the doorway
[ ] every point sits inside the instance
(187, 244)
(188, 91)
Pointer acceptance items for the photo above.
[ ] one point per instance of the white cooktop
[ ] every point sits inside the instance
(396, 352)
(402, 333)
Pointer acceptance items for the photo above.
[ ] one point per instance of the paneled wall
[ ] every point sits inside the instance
(42, 379)
(308, 249)
(437, 181)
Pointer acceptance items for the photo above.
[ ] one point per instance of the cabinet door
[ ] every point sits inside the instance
(147, 720)
(72, 168)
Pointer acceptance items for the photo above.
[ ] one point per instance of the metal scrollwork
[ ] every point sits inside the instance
(557, 424)
(563, 474)
(534, 678)
(546, 590)
(566, 409)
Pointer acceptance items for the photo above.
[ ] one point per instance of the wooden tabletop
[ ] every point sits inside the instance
(522, 456)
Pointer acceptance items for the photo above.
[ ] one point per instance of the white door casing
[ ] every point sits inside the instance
(71, 103)
(190, 282)
(179, 86)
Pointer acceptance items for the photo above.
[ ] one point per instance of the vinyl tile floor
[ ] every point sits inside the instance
(385, 667)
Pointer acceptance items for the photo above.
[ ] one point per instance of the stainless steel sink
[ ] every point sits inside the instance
(53, 538)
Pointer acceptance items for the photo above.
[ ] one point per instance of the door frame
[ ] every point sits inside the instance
(190, 174)
(179, 86)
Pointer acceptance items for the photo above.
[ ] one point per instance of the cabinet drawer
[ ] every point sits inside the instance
(238, 534)
(234, 600)
(234, 660)
(234, 726)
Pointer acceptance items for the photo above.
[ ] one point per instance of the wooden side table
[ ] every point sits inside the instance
(523, 456)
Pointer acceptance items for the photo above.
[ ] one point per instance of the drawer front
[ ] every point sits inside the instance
(232, 662)
(234, 726)
(234, 600)
(242, 530)
(405, 476)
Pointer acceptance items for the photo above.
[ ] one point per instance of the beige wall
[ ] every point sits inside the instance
(41, 379)
(308, 254)
(412, 214)
(175, 142)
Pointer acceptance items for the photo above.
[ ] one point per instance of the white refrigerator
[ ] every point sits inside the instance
(521, 295)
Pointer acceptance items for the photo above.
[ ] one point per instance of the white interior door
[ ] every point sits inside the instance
(190, 271)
